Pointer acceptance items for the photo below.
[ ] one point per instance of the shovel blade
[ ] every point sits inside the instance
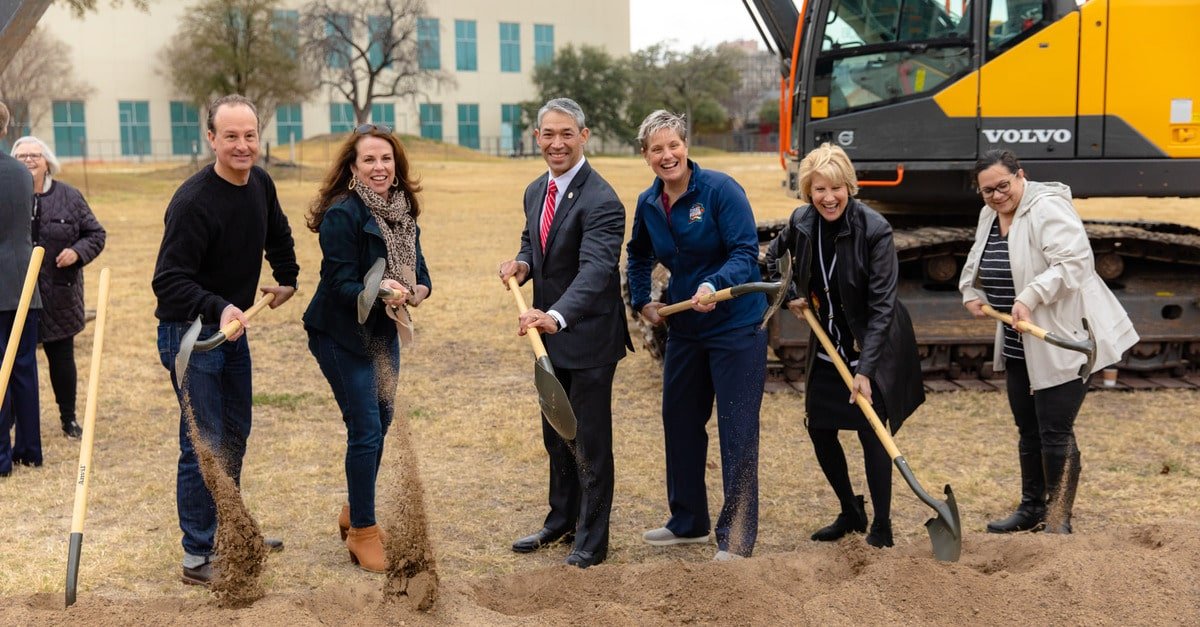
(186, 344)
(945, 531)
(552, 398)
(370, 291)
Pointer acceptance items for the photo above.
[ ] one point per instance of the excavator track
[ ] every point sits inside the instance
(1154, 268)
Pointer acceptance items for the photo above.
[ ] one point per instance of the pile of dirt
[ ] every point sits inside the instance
(1145, 574)
(239, 547)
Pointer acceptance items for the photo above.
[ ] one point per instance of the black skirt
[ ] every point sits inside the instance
(825, 401)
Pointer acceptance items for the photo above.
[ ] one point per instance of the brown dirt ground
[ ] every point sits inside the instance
(468, 403)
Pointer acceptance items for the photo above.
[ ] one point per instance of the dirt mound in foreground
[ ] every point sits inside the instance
(1147, 574)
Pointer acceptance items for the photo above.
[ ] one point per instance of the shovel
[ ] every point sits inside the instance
(777, 290)
(371, 290)
(188, 343)
(75, 543)
(1087, 347)
(945, 531)
(556, 407)
(14, 338)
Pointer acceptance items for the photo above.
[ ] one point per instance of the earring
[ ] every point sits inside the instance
(395, 182)
(353, 183)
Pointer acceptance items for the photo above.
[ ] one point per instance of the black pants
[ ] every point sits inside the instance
(581, 472)
(878, 464)
(1045, 418)
(60, 356)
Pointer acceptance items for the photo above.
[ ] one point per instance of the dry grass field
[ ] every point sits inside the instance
(467, 397)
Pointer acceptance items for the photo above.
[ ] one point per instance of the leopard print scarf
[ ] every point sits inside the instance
(400, 234)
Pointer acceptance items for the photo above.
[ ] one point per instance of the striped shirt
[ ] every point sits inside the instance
(995, 276)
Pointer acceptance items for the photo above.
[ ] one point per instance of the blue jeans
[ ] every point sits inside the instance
(21, 402)
(367, 401)
(220, 391)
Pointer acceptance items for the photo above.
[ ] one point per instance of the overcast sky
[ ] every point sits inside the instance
(689, 23)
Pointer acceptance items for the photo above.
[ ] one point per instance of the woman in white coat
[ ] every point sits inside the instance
(1032, 258)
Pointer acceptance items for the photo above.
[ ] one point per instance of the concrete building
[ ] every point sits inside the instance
(490, 48)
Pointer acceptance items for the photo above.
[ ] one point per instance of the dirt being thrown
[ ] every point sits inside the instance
(239, 547)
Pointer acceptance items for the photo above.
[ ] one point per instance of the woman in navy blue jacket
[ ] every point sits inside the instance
(366, 209)
(698, 223)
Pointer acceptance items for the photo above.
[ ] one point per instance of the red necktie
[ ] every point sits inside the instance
(548, 212)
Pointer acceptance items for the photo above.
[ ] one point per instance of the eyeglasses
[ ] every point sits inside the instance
(1002, 188)
(30, 156)
(367, 128)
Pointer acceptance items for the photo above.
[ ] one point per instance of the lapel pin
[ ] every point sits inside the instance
(570, 195)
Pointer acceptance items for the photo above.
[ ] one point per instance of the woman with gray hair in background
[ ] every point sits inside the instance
(699, 225)
(65, 226)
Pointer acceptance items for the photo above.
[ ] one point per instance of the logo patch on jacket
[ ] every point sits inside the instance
(696, 213)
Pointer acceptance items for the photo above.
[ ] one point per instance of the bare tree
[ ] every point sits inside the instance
(367, 49)
(238, 46)
(37, 74)
(80, 7)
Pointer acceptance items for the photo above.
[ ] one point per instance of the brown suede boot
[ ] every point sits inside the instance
(366, 549)
(344, 521)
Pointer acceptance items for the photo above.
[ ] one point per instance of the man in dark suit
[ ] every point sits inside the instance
(574, 227)
(16, 245)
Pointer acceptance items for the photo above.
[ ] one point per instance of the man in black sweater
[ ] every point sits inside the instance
(218, 225)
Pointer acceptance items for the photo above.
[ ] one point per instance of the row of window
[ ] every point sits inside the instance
(70, 125)
(466, 58)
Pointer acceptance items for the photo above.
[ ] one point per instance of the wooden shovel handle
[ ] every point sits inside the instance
(1027, 327)
(89, 412)
(539, 349)
(884, 437)
(684, 305)
(14, 338)
(234, 325)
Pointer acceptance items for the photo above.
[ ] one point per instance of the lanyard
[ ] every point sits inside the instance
(827, 276)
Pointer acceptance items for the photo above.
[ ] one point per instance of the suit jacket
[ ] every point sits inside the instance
(578, 276)
(16, 222)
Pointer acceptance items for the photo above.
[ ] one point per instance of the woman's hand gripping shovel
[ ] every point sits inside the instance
(776, 291)
(556, 407)
(945, 531)
(1087, 347)
(190, 341)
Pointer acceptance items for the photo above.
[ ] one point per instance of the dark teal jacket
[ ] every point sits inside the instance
(350, 244)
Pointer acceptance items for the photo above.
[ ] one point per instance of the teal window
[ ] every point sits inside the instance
(384, 113)
(134, 117)
(543, 44)
(431, 121)
(289, 123)
(465, 46)
(429, 55)
(286, 26)
(510, 47)
(379, 29)
(337, 29)
(185, 128)
(341, 117)
(510, 129)
(468, 125)
(70, 130)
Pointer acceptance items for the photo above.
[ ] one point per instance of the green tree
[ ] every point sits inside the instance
(692, 83)
(237, 46)
(364, 50)
(593, 78)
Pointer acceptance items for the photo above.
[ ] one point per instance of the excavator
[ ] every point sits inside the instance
(1103, 95)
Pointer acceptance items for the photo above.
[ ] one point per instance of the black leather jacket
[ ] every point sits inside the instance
(868, 273)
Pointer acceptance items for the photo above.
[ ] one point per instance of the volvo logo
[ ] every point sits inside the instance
(845, 138)
(1027, 135)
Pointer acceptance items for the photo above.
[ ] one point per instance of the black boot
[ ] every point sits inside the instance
(1062, 480)
(853, 519)
(881, 533)
(1032, 511)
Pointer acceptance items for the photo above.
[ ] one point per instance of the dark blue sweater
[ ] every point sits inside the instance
(711, 238)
